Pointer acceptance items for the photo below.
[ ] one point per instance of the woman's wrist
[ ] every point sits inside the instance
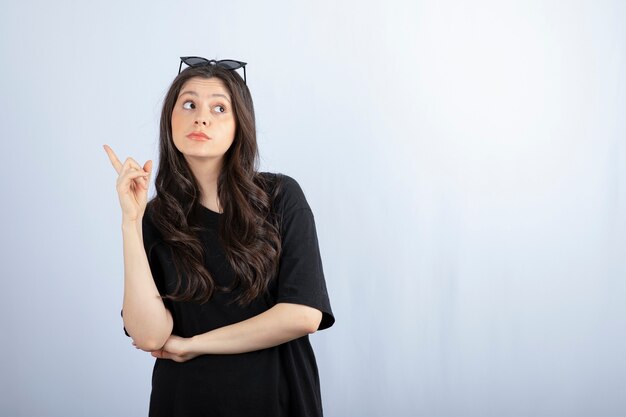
(131, 225)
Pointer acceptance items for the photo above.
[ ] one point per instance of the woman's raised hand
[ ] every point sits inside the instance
(132, 185)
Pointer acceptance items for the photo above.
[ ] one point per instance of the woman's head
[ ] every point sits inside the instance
(228, 119)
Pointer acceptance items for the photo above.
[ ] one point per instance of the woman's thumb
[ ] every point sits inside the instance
(147, 167)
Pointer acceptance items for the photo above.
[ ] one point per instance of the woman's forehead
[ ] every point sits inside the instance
(204, 86)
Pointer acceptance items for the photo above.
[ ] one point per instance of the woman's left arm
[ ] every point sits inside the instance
(281, 323)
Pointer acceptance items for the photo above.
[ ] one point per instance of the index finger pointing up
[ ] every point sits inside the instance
(113, 158)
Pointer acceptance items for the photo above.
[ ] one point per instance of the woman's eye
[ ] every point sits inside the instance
(190, 105)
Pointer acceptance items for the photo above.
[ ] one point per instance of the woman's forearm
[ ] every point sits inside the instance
(146, 319)
(279, 324)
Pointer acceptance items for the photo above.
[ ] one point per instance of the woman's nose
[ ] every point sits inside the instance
(202, 117)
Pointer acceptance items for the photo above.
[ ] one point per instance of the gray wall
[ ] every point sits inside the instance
(465, 161)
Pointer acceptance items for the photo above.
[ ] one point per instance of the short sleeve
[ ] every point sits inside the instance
(151, 239)
(301, 275)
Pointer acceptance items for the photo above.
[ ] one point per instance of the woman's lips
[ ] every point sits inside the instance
(198, 136)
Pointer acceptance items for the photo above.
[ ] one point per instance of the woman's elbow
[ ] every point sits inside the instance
(149, 345)
(315, 318)
(306, 318)
(150, 340)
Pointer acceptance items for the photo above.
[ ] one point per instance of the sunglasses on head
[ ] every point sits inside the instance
(198, 61)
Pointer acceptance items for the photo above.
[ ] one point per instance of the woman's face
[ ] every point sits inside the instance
(203, 105)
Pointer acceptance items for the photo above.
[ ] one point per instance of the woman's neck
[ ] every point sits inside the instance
(206, 172)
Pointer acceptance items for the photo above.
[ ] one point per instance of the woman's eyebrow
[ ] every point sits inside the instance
(193, 93)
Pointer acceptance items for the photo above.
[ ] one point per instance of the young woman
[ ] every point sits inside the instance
(223, 279)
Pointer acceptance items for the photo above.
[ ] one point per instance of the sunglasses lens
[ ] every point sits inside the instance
(229, 64)
(194, 60)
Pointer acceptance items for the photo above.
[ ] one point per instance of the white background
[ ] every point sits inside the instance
(465, 162)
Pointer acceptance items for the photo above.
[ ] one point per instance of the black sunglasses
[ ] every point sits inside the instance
(198, 61)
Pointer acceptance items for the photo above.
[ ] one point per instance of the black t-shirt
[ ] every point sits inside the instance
(279, 381)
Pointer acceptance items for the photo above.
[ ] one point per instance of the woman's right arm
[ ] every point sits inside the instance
(146, 319)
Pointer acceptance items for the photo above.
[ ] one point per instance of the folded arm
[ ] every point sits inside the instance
(279, 324)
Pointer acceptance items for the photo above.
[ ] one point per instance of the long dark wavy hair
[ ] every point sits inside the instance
(249, 231)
